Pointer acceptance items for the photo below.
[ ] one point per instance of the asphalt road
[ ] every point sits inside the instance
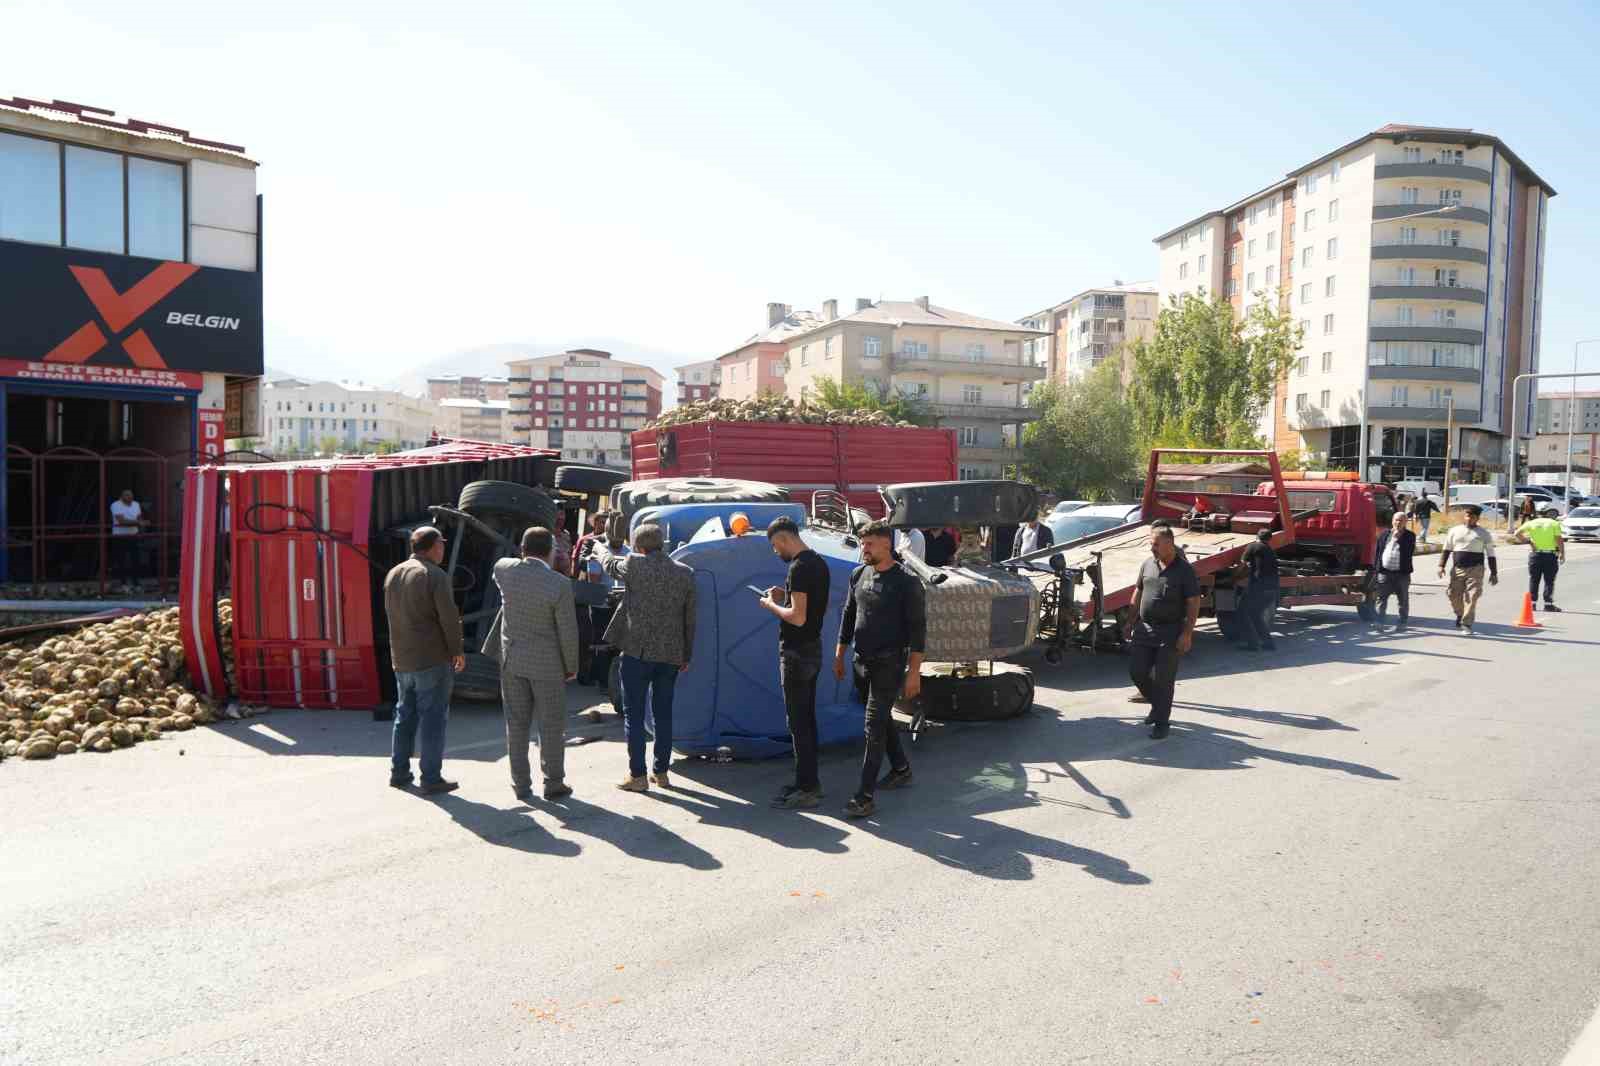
(1359, 850)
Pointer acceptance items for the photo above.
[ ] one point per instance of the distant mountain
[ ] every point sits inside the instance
(491, 359)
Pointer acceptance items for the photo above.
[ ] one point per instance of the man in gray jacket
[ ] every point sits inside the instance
(535, 637)
(654, 628)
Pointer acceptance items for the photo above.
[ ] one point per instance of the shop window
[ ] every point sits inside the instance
(94, 199)
(30, 189)
(155, 209)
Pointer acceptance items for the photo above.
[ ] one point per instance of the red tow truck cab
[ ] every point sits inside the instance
(1342, 534)
(853, 460)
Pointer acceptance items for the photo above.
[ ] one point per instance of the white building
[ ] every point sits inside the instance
(302, 417)
(582, 403)
(1412, 257)
(1091, 327)
(474, 419)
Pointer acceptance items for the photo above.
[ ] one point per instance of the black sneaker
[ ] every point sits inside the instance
(559, 790)
(439, 787)
(798, 799)
(860, 808)
(1458, 621)
(1160, 731)
(399, 782)
(1551, 607)
(1149, 719)
(896, 778)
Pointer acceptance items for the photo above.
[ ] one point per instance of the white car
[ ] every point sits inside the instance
(1087, 521)
(1582, 524)
(1068, 506)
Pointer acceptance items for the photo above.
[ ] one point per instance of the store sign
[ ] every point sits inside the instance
(91, 374)
(211, 446)
(76, 309)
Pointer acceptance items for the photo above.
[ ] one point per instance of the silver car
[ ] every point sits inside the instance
(1582, 524)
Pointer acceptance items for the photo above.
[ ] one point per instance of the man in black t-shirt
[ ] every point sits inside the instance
(799, 607)
(1166, 605)
(1259, 601)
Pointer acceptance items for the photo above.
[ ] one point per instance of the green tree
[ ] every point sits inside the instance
(1205, 378)
(328, 445)
(831, 395)
(1083, 445)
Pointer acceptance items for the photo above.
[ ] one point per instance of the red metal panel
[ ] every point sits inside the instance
(870, 456)
(197, 578)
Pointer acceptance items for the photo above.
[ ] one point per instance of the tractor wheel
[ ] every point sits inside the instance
(988, 697)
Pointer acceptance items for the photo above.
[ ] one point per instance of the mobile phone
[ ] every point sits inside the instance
(759, 592)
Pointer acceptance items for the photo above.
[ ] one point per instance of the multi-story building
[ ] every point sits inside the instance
(583, 403)
(968, 371)
(1412, 259)
(757, 365)
(698, 381)
(474, 419)
(300, 417)
(1091, 327)
(1557, 409)
(467, 387)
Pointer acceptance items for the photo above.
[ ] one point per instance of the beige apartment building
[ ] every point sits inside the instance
(474, 419)
(969, 372)
(1086, 330)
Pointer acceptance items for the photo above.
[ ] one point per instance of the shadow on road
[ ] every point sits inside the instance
(504, 828)
(631, 834)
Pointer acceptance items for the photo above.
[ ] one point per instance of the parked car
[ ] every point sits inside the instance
(1091, 519)
(1068, 506)
(1582, 524)
(1544, 499)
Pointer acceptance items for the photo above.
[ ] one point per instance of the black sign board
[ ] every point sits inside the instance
(91, 309)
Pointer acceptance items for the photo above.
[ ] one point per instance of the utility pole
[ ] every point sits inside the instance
(1449, 446)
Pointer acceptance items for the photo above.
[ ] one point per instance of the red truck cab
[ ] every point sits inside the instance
(1338, 518)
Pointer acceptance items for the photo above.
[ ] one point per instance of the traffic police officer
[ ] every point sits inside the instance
(1549, 552)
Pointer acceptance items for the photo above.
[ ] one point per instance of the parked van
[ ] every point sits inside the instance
(1461, 495)
(1414, 489)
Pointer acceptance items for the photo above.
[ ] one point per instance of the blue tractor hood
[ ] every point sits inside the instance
(730, 696)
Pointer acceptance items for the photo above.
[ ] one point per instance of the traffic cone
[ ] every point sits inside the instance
(1527, 621)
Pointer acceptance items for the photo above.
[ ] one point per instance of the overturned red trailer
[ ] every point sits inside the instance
(303, 547)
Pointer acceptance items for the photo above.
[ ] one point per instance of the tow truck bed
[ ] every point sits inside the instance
(1122, 551)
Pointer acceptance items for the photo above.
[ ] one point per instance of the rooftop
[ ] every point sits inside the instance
(793, 322)
(484, 405)
(1140, 287)
(899, 313)
(67, 113)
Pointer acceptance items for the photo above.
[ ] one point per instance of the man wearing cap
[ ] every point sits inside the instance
(1549, 552)
(1466, 548)
(425, 649)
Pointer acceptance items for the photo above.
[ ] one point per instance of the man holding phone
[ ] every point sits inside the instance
(799, 606)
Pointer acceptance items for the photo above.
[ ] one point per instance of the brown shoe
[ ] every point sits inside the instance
(661, 779)
(635, 784)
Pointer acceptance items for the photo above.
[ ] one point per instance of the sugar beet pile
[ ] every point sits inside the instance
(106, 686)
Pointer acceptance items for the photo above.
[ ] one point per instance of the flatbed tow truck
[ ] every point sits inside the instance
(1325, 551)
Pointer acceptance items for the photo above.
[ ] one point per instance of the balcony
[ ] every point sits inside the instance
(1416, 250)
(1421, 413)
(1439, 171)
(990, 455)
(1006, 370)
(1413, 331)
(1428, 292)
(634, 392)
(992, 412)
(1400, 370)
(1454, 212)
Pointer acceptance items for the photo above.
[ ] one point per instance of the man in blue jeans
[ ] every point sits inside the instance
(425, 650)
(654, 629)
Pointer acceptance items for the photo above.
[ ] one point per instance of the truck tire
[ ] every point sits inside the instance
(961, 503)
(589, 480)
(508, 506)
(480, 681)
(632, 496)
(988, 697)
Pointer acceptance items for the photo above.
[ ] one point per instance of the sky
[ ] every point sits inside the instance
(444, 176)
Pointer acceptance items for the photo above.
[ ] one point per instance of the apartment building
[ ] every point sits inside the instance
(582, 403)
(467, 387)
(698, 381)
(1091, 327)
(474, 419)
(301, 417)
(757, 365)
(1557, 409)
(969, 372)
(1412, 258)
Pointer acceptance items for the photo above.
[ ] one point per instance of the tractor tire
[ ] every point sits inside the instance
(480, 681)
(989, 697)
(632, 496)
(961, 503)
(588, 480)
(508, 506)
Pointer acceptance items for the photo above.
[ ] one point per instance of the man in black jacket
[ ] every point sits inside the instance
(1392, 567)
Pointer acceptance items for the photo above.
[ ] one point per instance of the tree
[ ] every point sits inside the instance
(831, 395)
(328, 445)
(1205, 378)
(1083, 445)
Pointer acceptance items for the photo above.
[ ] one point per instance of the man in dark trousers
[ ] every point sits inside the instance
(1166, 605)
(425, 649)
(1392, 561)
(1423, 510)
(884, 616)
(1260, 592)
(799, 606)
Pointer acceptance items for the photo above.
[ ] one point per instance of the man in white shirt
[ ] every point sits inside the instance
(911, 540)
(126, 520)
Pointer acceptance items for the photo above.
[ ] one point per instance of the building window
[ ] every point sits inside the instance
(976, 353)
(1311, 219)
(1328, 285)
(1305, 256)
(1250, 282)
(777, 368)
(1300, 403)
(1302, 365)
(1326, 399)
(1200, 264)
(1250, 249)
(1410, 194)
(972, 394)
(30, 177)
(1272, 240)
(1183, 242)
(1305, 293)
(1327, 362)
(1412, 154)
(1183, 271)
(1333, 210)
(94, 199)
(969, 473)
(1272, 278)
(805, 355)
(1231, 288)
(1311, 183)
(1305, 326)
(827, 348)
(1333, 173)
(1253, 213)
(1290, 237)
(969, 436)
(1327, 325)
(1333, 247)
(155, 209)
(870, 347)
(1272, 208)
(1399, 395)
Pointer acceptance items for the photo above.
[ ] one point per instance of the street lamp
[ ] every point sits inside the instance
(1572, 406)
(1366, 360)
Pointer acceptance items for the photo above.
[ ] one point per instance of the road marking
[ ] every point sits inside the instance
(497, 742)
(272, 734)
(191, 1038)
(1368, 672)
(1586, 1049)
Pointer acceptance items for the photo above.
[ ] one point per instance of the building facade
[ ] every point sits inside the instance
(130, 322)
(698, 381)
(968, 372)
(582, 403)
(1090, 328)
(1412, 259)
(300, 417)
(474, 419)
(1557, 409)
(467, 387)
(757, 365)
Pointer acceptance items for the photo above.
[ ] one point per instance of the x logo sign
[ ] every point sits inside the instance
(120, 310)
